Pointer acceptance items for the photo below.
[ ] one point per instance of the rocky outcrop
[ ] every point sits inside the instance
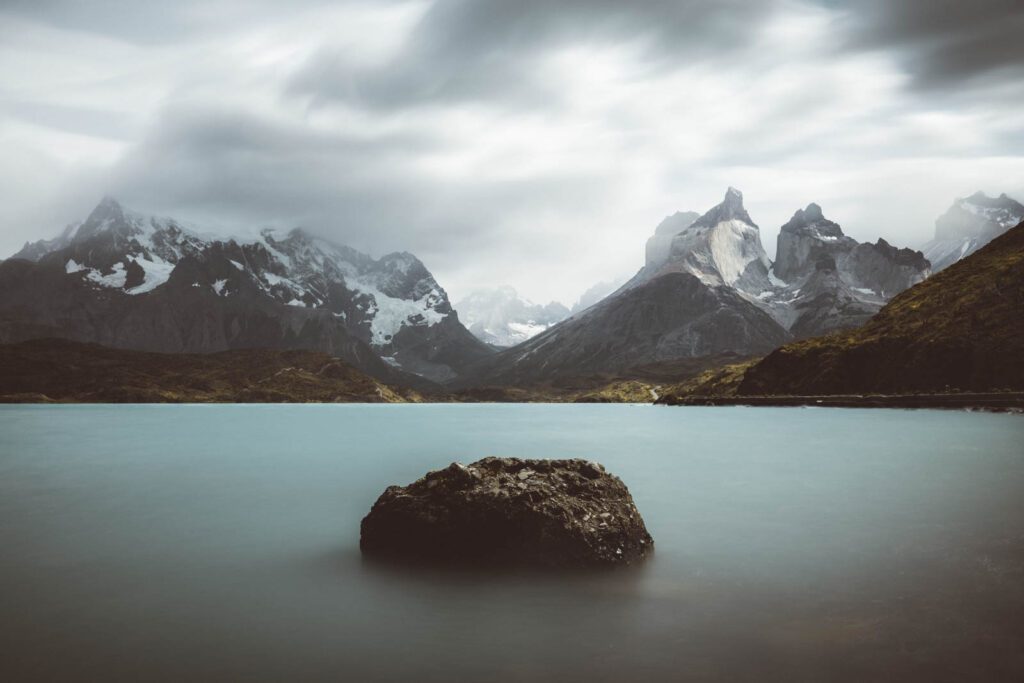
(968, 225)
(509, 512)
(805, 240)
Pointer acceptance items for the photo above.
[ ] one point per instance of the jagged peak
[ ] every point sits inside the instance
(811, 220)
(108, 207)
(813, 212)
(733, 198)
(731, 208)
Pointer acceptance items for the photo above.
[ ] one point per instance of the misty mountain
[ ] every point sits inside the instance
(969, 224)
(500, 317)
(596, 293)
(127, 280)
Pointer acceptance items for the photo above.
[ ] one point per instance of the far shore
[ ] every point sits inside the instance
(1010, 401)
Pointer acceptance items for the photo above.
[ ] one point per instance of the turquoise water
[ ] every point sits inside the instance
(212, 543)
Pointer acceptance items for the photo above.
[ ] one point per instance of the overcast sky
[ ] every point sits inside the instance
(535, 143)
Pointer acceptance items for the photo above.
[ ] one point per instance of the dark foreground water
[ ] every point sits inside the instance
(220, 543)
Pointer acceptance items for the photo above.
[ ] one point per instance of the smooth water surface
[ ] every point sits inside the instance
(220, 543)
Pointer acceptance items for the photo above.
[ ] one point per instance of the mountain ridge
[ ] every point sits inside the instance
(324, 296)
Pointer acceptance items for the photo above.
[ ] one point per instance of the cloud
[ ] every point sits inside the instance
(494, 50)
(532, 143)
(944, 43)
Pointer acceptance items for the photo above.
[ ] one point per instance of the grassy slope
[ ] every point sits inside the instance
(960, 330)
(61, 370)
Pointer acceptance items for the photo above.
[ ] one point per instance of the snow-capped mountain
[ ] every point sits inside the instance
(311, 289)
(968, 225)
(500, 317)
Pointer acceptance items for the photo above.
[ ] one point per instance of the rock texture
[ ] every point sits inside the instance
(509, 512)
(968, 225)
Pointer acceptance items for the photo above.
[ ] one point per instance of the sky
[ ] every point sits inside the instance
(534, 143)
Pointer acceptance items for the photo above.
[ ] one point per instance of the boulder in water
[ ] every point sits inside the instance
(509, 512)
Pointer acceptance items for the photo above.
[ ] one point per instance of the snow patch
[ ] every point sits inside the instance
(157, 272)
(113, 280)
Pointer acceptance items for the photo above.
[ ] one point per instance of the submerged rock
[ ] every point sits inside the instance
(509, 512)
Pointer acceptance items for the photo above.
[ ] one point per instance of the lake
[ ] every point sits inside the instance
(214, 543)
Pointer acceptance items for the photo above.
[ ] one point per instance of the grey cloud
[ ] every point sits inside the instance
(358, 190)
(465, 50)
(146, 22)
(944, 43)
(100, 123)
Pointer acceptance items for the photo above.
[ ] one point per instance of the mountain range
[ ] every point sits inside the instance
(126, 280)
(708, 288)
(707, 292)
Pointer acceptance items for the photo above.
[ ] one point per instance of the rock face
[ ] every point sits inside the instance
(824, 281)
(968, 225)
(501, 317)
(722, 247)
(805, 240)
(509, 512)
(131, 281)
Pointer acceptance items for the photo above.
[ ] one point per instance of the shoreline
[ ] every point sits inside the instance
(990, 401)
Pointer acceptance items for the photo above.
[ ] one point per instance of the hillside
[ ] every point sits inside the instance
(66, 371)
(958, 331)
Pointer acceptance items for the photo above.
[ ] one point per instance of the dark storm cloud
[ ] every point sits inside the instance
(358, 190)
(491, 49)
(944, 43)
